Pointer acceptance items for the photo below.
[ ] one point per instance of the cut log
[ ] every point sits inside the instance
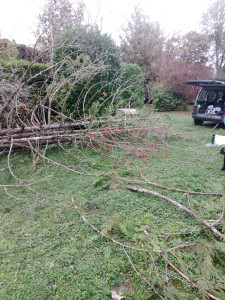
(78, 125)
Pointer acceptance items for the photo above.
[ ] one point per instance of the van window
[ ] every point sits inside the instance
(211, 97)
(220, 95)
(202, 96)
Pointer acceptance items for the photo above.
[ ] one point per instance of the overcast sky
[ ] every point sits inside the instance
(18, 17)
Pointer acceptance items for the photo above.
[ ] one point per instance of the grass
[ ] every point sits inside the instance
(48, 252)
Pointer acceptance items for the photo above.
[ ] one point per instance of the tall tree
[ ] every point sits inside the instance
(192, 47)
(55, 16)
(142, 42)
(213, 22)
(172, 72)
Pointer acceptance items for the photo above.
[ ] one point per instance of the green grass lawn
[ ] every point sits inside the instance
(48, 252)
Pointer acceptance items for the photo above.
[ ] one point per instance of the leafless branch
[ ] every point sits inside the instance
(180, 206)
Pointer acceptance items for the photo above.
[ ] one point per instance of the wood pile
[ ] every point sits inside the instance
(40, 135)
(23, 137)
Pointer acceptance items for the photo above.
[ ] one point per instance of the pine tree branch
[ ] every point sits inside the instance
(143, 278)
(123, 247)
(180, 206)
(190, 281)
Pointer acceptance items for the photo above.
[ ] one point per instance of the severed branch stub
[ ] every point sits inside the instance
(180, 206)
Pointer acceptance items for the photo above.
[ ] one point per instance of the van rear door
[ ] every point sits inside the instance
(206, 83)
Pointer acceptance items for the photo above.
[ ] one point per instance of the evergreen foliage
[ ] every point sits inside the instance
(131, 86)
(164, 100)
(18, 67)
(93, 67)
(142, 42)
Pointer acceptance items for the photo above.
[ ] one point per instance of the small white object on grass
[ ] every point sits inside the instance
(127, 112)
(217, 140)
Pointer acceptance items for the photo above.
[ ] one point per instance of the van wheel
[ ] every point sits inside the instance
(198, 122)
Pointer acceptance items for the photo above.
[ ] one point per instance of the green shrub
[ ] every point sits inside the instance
(11, 74)
(16, 68)
(164, 99)
(131, 85)
(91, 66)
(9, 63)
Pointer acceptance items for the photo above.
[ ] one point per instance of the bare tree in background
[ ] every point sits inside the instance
(213, 22)
(55, 16)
